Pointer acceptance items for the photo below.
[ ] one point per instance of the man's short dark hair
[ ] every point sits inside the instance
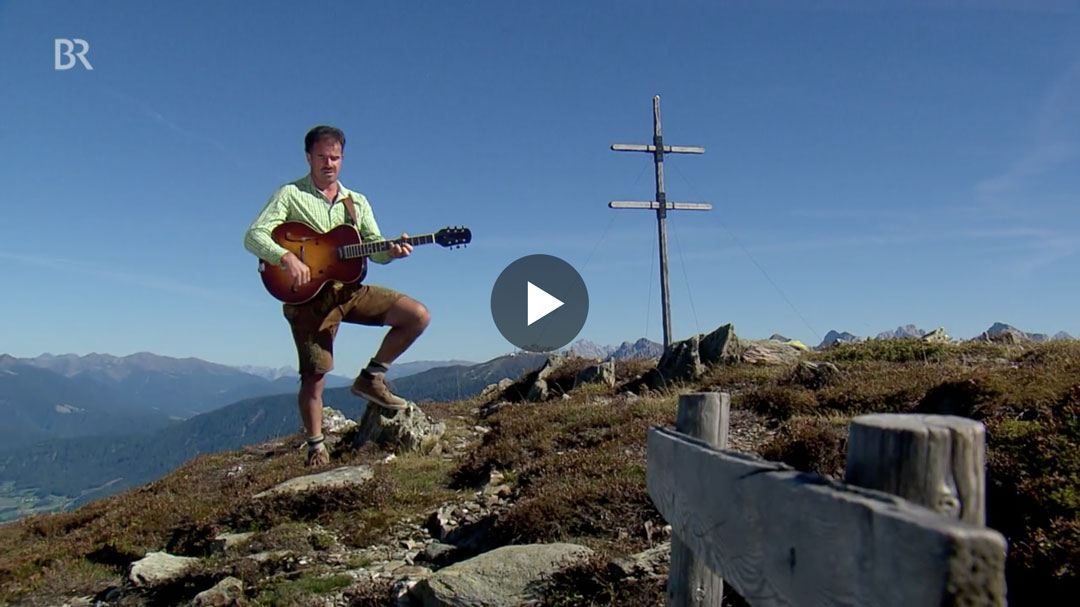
(321, 132)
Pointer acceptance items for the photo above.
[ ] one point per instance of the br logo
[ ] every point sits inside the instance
(64, 48)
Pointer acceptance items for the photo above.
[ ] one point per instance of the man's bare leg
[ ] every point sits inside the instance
(407, 319)
(310, 401)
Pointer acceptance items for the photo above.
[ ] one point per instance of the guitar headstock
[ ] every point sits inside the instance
(451, 237)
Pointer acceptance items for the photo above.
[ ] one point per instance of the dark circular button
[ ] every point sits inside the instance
(539, 303)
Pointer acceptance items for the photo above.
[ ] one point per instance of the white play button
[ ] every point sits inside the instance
(540, 303)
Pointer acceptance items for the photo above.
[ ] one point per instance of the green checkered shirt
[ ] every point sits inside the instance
(302, 201)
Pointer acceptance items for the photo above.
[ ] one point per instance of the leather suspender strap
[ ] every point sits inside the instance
(351, 210)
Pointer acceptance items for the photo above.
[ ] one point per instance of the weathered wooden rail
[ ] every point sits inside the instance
(782, 537)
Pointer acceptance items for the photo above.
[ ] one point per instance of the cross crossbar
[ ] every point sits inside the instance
(678, 206)
(668, 149)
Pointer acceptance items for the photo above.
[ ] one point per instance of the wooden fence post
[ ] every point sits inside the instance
(938, 461)
(704, 416)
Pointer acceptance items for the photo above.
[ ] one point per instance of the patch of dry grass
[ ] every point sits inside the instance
(579, 467)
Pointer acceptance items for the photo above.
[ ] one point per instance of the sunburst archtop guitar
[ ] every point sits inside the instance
(339, 254)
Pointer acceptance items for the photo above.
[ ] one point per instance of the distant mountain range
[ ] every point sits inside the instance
(834, 337)
(68, 396)
(642, 348)
(911, 331)
(396, 370)
(902, 332)
(1000, 328)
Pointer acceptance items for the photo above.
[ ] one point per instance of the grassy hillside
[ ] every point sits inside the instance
(576, 470)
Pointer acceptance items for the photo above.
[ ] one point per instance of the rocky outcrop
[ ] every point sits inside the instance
(338, 477)
(503, 577)
(721, 346)
(603, 374)
(814, 375)
(335, 422)
(687, 360)
(539, 390)
(226, 541)
(408, 430)
(937, 336)
(649, 563)
(496, 389)
(682, 361)
(226, 593)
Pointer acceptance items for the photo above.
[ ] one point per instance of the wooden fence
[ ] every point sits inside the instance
(907, 528)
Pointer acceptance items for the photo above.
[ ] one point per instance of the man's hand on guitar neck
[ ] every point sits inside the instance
(298, 270)
(400, 250)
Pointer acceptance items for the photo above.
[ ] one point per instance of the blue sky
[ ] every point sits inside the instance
(869, 164)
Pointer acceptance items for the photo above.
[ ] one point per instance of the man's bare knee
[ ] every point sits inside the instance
(409, 314)
(423, 316)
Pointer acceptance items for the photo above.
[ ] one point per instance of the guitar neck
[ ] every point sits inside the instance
(365, 249)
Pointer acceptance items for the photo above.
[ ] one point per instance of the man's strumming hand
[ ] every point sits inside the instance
(298, 270)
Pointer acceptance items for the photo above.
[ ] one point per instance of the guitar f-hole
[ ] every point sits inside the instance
(302, 253)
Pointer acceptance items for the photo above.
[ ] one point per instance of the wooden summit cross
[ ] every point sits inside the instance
(658, 149)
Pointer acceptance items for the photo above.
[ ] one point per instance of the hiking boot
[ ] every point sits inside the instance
(318, 456)
(372, 386)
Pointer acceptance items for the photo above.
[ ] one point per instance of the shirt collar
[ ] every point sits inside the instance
(309, 185)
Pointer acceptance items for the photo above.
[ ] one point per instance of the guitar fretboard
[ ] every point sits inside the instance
(365, 249)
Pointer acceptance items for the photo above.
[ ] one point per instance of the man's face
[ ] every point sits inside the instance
(325, 160)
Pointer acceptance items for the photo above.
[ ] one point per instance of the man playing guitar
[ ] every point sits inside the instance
(321, 201)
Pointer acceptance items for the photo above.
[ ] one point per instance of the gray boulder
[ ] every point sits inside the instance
(719, 347)
(404, 431)
(226, 541)
(649, 563)
(682, 360)
(338, 477)
(158, 568)
(335, 422)
(768, 352)
(503, 577)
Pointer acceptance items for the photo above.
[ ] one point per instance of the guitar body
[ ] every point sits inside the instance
(320, 252)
